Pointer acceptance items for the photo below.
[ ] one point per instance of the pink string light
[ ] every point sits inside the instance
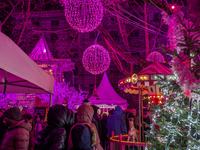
(155, 57)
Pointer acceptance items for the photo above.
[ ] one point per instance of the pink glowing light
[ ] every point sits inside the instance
(173, 7)
(84, 15)
(96, 59)
(155, 57)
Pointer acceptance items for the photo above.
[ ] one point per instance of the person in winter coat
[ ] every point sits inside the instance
(17, 136)
(94, 121)
(55, 135)
(84, 116)
(104, 130)
(116, 123)
(97, 118)
(81, 137)
(33, 134)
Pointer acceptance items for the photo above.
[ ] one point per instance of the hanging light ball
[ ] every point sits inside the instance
(155, 57)
(96, 59)
(84, 15)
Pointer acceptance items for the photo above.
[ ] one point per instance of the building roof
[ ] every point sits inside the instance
(107, 95)
(41, 50)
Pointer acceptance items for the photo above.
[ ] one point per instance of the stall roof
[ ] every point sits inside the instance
(20, 74)
(107, 95)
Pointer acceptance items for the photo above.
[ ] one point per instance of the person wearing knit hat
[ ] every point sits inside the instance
(13, 114)
(84, 116)
(17, 136)
(85, 101)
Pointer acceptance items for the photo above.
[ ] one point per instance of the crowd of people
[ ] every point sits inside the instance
(87, 129)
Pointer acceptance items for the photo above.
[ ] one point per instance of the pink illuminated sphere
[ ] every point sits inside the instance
(84, 15)
(155, 57)
(96, 59)
(173, 7)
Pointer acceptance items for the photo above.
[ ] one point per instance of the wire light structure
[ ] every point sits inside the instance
(155, 57)
(84, 15)
(96, 59)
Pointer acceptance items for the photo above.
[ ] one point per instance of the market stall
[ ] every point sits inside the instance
(108, 97)
(20, 74)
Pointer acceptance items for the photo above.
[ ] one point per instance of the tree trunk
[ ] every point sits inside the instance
(146, 29)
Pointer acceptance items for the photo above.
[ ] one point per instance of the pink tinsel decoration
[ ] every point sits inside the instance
(186, 79)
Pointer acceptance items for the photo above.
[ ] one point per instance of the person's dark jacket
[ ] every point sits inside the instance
(81, 137)
(104, 129)
(3, 129)
(55, 135)
(99, 129)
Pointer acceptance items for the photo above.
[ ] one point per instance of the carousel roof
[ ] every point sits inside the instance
(155, 68)
(107, 95)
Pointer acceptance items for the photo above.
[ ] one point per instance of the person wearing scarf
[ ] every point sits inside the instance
(84, 116)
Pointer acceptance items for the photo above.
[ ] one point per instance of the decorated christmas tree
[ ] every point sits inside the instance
(176, 123)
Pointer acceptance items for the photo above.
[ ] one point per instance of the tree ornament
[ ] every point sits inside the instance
(84, 15)
(155, 57)
(96, 59)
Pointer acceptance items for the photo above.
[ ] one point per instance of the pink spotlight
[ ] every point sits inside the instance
(173, 7)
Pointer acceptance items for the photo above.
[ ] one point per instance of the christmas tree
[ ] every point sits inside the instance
(176, 123)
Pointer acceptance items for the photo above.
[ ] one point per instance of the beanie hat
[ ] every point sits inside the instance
(13, 113)
(86, 102)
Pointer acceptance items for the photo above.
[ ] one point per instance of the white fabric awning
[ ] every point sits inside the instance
(20, 74)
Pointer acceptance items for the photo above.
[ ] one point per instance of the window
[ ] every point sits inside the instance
(93, 34)
(74, 53)
(54, 23)
(156, 17)
(91, 88)
(135, 33)
(114, 34)
(36, 23)
(54, 36)
(75, 71)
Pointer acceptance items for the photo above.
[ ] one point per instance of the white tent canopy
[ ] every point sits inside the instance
(20, 74)
(107, 95)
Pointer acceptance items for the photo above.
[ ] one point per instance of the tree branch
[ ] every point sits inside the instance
(25, 23)
(9, 14)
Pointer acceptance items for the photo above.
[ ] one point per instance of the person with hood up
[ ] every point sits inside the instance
(55, 135)
(84, 117)
(116, 123)
(17, 136)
